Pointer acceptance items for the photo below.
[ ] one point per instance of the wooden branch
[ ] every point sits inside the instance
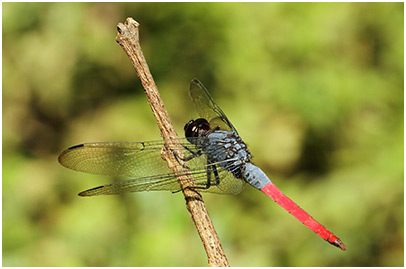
(128, 38)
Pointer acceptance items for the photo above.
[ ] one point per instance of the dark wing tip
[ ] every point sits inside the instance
(89, 191)
(76, 146)
(63, 153)
(195, 81)
(82, 193)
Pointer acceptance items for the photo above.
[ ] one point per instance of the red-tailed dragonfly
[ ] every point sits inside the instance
(218, 159)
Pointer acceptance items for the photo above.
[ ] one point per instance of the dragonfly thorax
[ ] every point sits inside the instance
(228, 149)
(223, 147)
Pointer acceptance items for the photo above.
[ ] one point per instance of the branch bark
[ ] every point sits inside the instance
(128, 38)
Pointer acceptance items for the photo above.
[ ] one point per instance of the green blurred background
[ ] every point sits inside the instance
(314, 89)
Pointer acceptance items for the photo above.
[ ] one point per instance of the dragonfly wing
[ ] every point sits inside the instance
(117, 158)
(228, 184)
(143, 161)
(207, 108)
(153, 183)
(221, 180)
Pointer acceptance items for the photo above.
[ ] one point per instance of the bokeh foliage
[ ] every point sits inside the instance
(315, 90)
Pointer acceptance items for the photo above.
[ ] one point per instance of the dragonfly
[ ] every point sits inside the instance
(217, 157)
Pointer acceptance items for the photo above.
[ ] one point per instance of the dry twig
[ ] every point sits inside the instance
(128, 38)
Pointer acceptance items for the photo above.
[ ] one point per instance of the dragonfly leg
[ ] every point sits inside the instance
(188, 158)
(209, 182)
(216, 175)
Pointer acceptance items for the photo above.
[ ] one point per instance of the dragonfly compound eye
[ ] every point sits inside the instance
(193, 127)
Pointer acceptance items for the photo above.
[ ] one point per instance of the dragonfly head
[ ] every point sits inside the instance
(194, 127)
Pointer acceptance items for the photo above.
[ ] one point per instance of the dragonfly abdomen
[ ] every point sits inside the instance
(254, 176)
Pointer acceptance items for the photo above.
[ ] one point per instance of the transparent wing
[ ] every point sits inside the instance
(207, 108)
(116, 158)
(143, 161)
(228, 184)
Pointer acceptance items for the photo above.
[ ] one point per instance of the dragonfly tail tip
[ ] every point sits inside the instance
(335, 241)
